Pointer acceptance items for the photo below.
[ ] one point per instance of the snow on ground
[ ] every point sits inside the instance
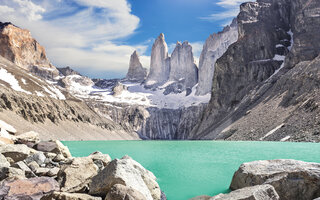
(11, 80)
(53, 92)
(24, 81)
(138, 95)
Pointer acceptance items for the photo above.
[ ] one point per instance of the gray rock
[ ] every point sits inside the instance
(291, 179)
(126, 172)
(259, 192)
(118, 89)
(120, 192)
(67, 71)
(70, 196)
(21, 165)
(33, 166)
(160, 63)
(16, 152)
(182, 66)
(27, 137)
(100, 159)
(54, 147)
(214, 47)
(9, 173)
(31, 189)
(76, 176)
(136, 72)
(42, 171)
(38, 157)
(3, 161)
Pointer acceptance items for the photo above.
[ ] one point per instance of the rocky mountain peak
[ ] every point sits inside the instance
(136, 72)
(214, 47)
(182, 65)
(18, 46)
(66, 71)
(159, 65)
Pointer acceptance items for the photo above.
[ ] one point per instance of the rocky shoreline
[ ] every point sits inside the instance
(34, 169)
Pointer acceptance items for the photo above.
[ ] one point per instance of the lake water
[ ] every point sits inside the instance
(186, 169)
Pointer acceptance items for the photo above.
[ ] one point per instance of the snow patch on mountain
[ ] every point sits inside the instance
(11, 80)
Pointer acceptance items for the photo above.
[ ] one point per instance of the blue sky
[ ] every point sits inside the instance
(96, 37)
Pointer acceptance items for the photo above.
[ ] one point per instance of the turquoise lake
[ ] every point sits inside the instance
(186, 169)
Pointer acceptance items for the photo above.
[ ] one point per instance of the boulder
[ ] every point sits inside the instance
(29, 189)
(17, 152)
(259, 192)
(7, 127)
(76, 176)
(100, 159)
(10, 173)
(118, 89)
(70, 196)
(127, 172)
(21, 165)
(28, 137)
(53, 172)
(33, 166)
(38, 157)
(42, 171)
(120, 192)
(54, 147)
(3, 161)
(291, 179)
(4, 140)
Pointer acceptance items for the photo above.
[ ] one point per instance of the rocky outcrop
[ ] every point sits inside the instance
(33, 188)
(249, 84)
(291, 179)
(118, 89)
(136, 72)
(18, 46)
(75, 177)
(259, 192)
(214, 47)
(67, 71)
(128, 172)
(51, 174)
(160, 63)
(153, 122)
(182, 65)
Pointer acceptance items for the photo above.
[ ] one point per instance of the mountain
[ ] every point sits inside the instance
(136, 72)
(266, 85)
(34, 101)
(160, 63)
(18, 46)
(215, 46)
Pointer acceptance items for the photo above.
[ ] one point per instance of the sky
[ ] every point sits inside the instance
(97, 37)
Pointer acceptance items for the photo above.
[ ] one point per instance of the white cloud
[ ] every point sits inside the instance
(230, 3)
(80, 38)
(5, 10)
(231, 9)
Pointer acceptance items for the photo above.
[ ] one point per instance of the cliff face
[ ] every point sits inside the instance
(214, 47)
(136, 72)
(18, 46)
(182, 65)
(151, 122)
(160, 63)
(276, 38)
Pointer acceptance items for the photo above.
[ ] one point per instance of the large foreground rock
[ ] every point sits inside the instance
(120, 192)
(127, 172)
(28, 189)
(259, 192)
(70, 196)
(54, 147)
(77, 176)
(291, 179)
(16, 152)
